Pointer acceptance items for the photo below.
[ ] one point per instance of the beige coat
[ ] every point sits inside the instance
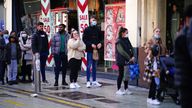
(75, 49)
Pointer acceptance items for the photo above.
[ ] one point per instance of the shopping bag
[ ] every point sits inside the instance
(133, 71)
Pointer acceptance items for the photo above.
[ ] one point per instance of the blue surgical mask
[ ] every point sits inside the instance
(93, 23)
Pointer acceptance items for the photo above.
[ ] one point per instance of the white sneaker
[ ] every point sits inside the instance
(77, 85)
(127, 91)
(119, 92)
(154, 102)
(149, 100)
(88, 84)
(96, 84)
(72, 86)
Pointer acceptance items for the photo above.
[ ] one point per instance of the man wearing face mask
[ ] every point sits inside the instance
(59, 51)
(40, 48)
(92, 39)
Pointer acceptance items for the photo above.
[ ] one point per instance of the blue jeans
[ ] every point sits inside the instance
(12, 70)
(93, 63)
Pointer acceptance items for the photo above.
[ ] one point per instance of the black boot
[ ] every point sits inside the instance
(64, 83)
(3, 83)
(56, 83)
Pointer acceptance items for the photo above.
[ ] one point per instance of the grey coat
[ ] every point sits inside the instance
(56, 43)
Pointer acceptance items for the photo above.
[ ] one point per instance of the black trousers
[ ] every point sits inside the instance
(2, 70)
(60, 65)
(186, 95)
(120, 78)
(154, 93)
(75, 66)
(26, 70)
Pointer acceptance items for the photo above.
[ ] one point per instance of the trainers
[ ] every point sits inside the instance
(88, 84)
(96, 84)
(119, 92)
(127, 91)
(149, 100)
(72, 86)
(77, 85)
(154, 102)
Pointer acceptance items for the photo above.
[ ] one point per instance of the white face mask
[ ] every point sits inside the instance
(23, 35)
(93, 23)
(127, 35)
(157, 37)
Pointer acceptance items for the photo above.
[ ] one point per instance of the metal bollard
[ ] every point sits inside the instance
(37, 78)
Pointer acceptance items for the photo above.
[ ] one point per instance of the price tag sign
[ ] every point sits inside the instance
(83, 17)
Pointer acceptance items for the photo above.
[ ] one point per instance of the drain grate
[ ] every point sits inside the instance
(107, 101)
(6, 95)
(76, 95)
(56, 88)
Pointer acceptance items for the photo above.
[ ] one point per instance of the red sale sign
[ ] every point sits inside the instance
(45, 17)
(83, 17)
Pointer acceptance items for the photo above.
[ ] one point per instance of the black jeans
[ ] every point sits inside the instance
(120, 78)
(26, 70)
(75, 66)
(60, 65)
(43, 59)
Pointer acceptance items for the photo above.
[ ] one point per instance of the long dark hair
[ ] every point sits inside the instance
(122, 30)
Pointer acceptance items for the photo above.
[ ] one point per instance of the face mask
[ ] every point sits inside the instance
(6, 36)
(127, 35)
(23, 35)
(157, 37)
(93, 23)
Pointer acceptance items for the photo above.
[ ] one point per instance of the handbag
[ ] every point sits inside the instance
(28, 56)
(95, 55)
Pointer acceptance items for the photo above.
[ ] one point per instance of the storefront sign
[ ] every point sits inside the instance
(83, 17)
(114, 19)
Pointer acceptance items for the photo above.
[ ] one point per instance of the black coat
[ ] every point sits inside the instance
(183, 74)
(127, 48)
(91, 35)
(8, 53)
(40, 42)
(2, 49)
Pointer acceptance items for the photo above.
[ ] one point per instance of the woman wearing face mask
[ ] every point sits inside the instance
(124, 54)
(75, 52)
(25, 44)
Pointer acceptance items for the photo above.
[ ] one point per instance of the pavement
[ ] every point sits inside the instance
(83, 97)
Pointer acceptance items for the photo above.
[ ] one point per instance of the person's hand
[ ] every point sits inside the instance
(99, 45)
(93, 46)
(132, 59)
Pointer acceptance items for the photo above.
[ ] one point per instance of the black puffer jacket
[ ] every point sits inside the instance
(183, 74)
(127, 50)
